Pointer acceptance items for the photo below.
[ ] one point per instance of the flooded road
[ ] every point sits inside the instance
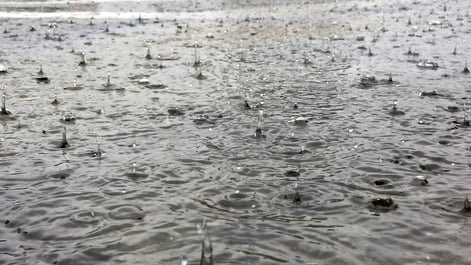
(314, 132)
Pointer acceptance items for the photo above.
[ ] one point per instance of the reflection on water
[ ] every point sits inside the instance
(305, 133)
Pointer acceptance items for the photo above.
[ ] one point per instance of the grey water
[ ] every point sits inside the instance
(309, 132)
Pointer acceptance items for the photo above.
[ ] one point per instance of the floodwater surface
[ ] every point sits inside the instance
(301, 132)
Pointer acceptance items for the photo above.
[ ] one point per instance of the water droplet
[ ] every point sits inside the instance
(258, 131)
(98, 152)
(82, 59)
(199, 228)
(303, 150)
(148, 55)
(4, 110)
(40, 72)
(184, 260)
(206, 245)
(108, 80)
(64, 143)
(197, 61)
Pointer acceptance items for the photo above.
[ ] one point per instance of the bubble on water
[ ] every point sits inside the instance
(55, 101)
